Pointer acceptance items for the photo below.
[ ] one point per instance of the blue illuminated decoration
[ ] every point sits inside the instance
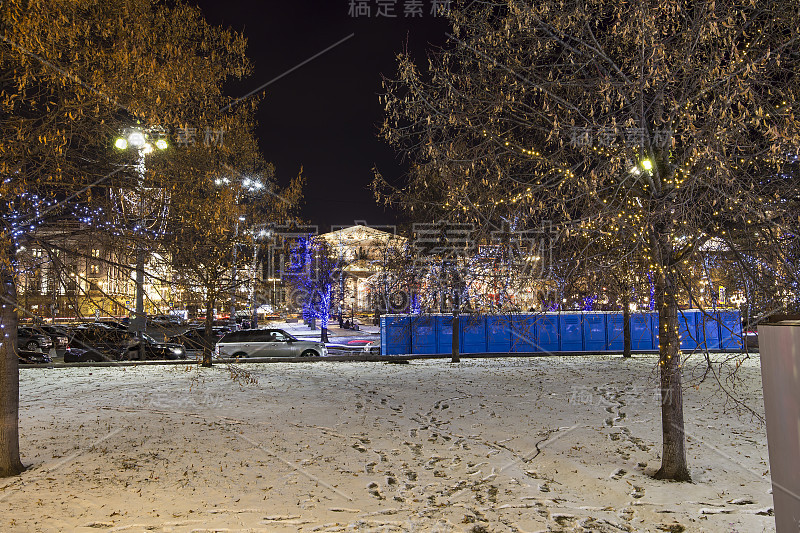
(312, 272)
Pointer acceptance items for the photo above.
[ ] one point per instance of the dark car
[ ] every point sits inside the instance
(118, 344)
(165, 320)
(194, 339)
(154, 349)
(111, 323)
(109, 341)
(77, 355)
(26, 357)
(58, 335)
(32, 340)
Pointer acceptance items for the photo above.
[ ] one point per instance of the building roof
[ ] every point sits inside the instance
(362, 236)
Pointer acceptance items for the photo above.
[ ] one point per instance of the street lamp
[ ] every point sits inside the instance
(249, 186)
(265, 233)
(143, 141)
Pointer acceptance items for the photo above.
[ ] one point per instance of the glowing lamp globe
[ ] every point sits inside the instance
(137, 139)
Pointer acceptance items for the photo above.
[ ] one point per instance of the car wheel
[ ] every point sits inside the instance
(32, 346)
(309, 353)
(239, 355)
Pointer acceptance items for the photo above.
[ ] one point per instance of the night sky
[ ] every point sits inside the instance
(325, 115)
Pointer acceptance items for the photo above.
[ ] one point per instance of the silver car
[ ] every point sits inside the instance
(267, 343)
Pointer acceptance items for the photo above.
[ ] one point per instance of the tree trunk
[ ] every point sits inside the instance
(673, 458)
(456, 331)
(626, 327)
(208, 335)
(10, 464)
(324, 334)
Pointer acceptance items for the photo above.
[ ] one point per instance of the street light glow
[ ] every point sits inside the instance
(647, 164)
(121, 143)
(161, 144)
(136, 139)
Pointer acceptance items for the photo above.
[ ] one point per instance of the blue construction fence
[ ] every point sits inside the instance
(593, 332)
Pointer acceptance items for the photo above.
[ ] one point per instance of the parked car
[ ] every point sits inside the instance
(200, 321)
(122, 344)
(154, 349)
(107, 340)
(194, 339)
(26, 357)
(112, 324)
(165, 320)
(78, 355)
(267, 343)
(59, 336)
(31, 340)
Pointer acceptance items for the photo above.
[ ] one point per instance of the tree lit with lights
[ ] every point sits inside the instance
(73, 76)
(647, 129)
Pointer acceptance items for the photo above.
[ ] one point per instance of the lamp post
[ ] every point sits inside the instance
(263, 233)
(252, 187)
(144, 142)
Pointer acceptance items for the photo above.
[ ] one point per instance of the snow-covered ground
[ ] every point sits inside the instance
(531, 444)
